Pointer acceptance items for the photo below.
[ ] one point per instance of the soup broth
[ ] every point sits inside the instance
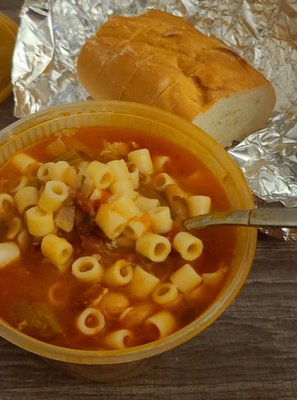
(96, 256)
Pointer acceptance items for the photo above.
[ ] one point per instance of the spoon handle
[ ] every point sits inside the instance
(260, 217)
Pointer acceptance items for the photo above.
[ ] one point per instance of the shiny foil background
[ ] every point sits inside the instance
(263, 32)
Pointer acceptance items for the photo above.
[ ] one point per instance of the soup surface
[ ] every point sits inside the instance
(96, 256)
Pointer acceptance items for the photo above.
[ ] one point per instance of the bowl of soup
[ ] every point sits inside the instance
(97, 271)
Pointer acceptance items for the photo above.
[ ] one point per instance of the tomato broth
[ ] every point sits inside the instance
(45, 301)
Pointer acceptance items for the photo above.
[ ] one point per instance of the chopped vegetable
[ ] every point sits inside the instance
(37, 316)
(71, 156)
(65, 218)
(114, 151)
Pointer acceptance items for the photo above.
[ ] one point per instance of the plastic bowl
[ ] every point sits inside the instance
(111, 364)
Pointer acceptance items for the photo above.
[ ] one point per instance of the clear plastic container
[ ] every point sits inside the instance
(121, 364)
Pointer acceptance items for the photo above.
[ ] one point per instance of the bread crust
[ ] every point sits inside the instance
(159, 59)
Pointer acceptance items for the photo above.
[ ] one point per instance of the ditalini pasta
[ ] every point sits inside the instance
(146, 204)
(87, 268)
(198, 205)
(161, 219)
(159, 162)
(119, 339)
(14, 228)
(153, 246)
(58, 250)
(53, 196)
(161, 324)
(162, 180)
(118, 274)
(6, 203)
(123, 187)
(23, 162)
(91, 321)
(119, 170)
(9, 252)
(133, 175)
(92, 240)
(189, 246)
(47, 171)
(142, 160)
(99, 175)
(165, 294)
(39, 222)
(112, 222)
(143, 283)
(186, 278)
(25, 198)
(137, 226)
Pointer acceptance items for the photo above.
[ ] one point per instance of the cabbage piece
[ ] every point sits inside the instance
(37, 318)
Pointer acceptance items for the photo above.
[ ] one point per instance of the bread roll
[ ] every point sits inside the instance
(161, 60)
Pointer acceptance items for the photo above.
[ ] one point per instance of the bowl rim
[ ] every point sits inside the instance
(71, 355)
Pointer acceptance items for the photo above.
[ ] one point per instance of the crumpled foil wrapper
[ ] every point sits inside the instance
(263, 32)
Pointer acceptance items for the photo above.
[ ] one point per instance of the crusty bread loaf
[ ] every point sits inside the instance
(159, 59)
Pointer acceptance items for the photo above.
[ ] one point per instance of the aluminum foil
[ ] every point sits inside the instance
(263, 32)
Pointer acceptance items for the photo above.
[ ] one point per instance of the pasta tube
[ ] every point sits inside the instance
(198, 205)
(25, 198)
(119, 170)
(47, 172)
(56, 249)
(160, 325)
(153, 246)
(87, 269)
(6, 203)
(133, 175)
(189, 246)
(23, 162)
(146, 204)
(161, 180)
(123, 187)
(97, 318)
(165, 293)
(137, 226)
(119, 339)
(53, 196)
(141, 158)
(143, 283)
(160, 161)
(110, 221)
(118, 274)
(9, 252)
(161, 219)
(186, 278)
(14, 227)
(124, 205)
(39, 222)
(99, 175)
(134, 316)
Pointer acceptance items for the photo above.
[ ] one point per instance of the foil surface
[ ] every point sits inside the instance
(263, 32)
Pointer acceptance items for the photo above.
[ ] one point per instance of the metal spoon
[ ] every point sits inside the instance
(259, 217)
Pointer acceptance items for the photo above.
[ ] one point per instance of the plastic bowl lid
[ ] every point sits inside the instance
(8, 31)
